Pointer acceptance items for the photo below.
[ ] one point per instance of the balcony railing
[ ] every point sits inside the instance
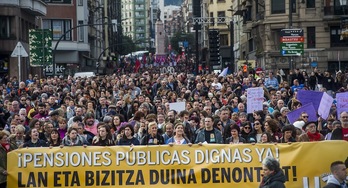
(139, 1)
(335, 10)
(140, 15)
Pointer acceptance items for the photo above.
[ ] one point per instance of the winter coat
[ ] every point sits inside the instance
(3, 161)
(201, 137)
(276, 180)
(332, 182)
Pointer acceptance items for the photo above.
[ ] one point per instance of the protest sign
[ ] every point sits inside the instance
(342, 102)
(179, 166)
(307, 96)
(177, 106)
(321, 101)
(296, 114)
(325, 106)
(255, 99)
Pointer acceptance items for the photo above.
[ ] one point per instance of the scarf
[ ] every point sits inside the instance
(313, 137)
(6, 146)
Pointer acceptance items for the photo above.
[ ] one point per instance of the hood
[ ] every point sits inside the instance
(333, 180)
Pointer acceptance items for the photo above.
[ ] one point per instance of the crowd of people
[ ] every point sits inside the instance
(134, 109)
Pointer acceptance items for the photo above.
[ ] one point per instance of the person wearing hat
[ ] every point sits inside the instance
(311, 133)
(54, 115)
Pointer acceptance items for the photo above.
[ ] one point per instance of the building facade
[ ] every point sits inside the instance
(321, 21)
(16, 18)
(72, 52)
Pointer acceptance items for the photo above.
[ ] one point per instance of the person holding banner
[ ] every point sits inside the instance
(73, 138)
(273, 175)
(152, 136)
(179, 137)
(128, 138)
(34, 140)
(255, 135)
(5, 147)
(209, 134)
(104, 137)
(235, 137)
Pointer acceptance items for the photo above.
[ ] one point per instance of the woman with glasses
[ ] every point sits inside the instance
(255, 135)
(5, 147)
(245, 130)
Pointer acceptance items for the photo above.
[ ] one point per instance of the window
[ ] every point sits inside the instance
(223, 40)
(81, 31)
(310, 4)
(80, 2)
(58, 27)
(311, 37)
(5, 26)
(335, 37)
(275, 34)
(278, 6)
(221, 17)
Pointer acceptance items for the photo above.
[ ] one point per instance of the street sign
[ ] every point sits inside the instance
(40, 43)
(292, 42)
(59, 69)
(19, 51)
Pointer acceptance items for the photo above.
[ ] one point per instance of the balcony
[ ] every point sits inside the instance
(140, 23)
(139, 15)
(139, 8)
(35, 7)
(139, 1)
(334, 10)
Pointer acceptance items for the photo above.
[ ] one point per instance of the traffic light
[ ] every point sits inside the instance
(214, 47)
(245, 68)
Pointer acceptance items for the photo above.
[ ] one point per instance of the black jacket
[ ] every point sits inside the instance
(276, 180)
(337, 134)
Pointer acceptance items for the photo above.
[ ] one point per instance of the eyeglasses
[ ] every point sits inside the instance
(305, 116)
(219, 124)
(344, 117)
(247, 127)
(257, 123)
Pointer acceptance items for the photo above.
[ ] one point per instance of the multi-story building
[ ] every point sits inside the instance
(73, 49)
(105, 34)
(16, 18)
(135, 21)
(321, 23)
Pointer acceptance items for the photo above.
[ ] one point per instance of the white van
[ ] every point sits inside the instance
(84, 74)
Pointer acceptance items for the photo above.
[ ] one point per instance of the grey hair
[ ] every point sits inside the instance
(271, 163)
(107, 119)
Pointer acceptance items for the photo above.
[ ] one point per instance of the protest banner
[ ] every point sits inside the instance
(255, 98)
(342, 102)
(177, 106)
(296, 114)
(181, 166)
